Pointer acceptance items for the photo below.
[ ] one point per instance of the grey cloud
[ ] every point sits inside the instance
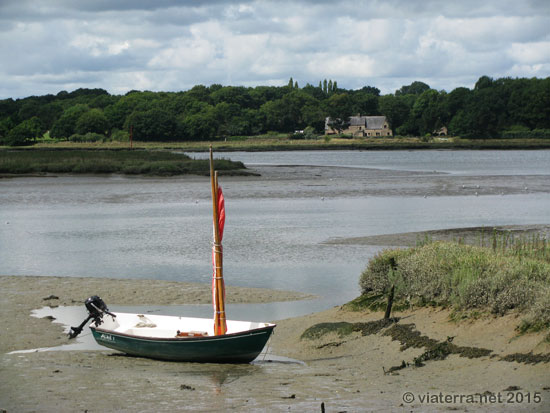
(170, 45)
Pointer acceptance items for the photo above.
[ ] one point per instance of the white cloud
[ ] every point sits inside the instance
(163, 45)
(98, 46)
(530, 53)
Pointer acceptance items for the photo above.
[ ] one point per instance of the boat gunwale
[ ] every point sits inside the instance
(187, 339)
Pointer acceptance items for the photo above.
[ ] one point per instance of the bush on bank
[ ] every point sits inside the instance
(464, 277)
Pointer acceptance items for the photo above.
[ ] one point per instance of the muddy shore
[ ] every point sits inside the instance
(346, 373)
(473, 235)
(353, 372)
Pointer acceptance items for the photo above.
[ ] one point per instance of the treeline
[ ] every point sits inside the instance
(493, 108)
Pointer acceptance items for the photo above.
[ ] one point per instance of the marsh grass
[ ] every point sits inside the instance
(508, 275)
(279, 141)
(131, 162)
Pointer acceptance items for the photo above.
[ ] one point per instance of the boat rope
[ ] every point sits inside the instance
(267, 346)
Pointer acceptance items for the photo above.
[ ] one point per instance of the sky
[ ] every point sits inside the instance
(159, 45)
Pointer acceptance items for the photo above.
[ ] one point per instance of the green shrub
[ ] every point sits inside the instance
(120, 135)
(88, 137)
(524, 133)
(465, 277)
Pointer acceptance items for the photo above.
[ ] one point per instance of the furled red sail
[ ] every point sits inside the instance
(218, 286)
(221, 212)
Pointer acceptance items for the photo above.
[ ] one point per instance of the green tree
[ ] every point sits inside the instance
(415, 88)
(457, 100)
(29, 109)
(6, 124)
(396, 109)
(313, 116)
(428, 112)
(200, 92)
(25, 133)
(339, 108)
(364, 103)
(48, 114)
(225, 117)
(199, 126)
(118, 113)
(234, 95)
(65, 126)
(483, 82)
(152, 125)
(287, 114)
(93, 121)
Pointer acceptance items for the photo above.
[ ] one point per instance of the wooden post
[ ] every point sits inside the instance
(390, 302)
(131, 135)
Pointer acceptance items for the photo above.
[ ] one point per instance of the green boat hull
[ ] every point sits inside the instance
(242, 347)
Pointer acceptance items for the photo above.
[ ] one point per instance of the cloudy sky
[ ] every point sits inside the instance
(160, 45)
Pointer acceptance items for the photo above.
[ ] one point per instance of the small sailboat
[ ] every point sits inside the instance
(183, 338)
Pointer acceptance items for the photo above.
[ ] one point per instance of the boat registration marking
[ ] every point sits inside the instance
(106, 337)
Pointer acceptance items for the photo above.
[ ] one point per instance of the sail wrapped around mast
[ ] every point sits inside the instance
(221, 211)
(218, 287)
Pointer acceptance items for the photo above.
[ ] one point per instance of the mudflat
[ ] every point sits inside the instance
(422, 362)
(363, 369)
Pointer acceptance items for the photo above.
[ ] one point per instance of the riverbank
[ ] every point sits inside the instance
(356, 371)
(107, 161)
(268, 143)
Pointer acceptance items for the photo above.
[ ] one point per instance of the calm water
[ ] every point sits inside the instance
(456, 162)
(160, 228)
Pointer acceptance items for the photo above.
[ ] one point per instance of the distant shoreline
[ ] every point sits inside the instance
(469, 235)
(253, 144)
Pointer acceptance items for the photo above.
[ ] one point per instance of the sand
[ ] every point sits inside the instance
(344, 373)
(471, 235)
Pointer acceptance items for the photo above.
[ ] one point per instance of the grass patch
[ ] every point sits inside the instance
(343, 328)
(318, 330)
(275, 142)
(374, 302)
(469, 279)
(527, 358)
(409, 337)
(129, 162)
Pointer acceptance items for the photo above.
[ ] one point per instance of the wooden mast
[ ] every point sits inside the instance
(218, 288)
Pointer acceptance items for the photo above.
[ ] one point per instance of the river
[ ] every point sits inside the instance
(277, 224)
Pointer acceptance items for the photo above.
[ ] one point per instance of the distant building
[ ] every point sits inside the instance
(441, 131)
(362, 126)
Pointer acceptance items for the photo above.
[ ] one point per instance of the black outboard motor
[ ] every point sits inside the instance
(96, 308)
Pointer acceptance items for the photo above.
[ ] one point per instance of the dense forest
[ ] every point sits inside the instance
(494, 108)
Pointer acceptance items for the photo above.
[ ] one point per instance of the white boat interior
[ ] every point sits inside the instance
(161, 326)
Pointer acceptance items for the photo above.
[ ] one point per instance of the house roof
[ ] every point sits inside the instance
(371, 122)
(358, 121)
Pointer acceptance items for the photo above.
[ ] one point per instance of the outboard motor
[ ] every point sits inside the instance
(96, 309)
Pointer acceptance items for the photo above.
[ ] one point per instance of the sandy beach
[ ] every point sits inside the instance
(346, 373)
